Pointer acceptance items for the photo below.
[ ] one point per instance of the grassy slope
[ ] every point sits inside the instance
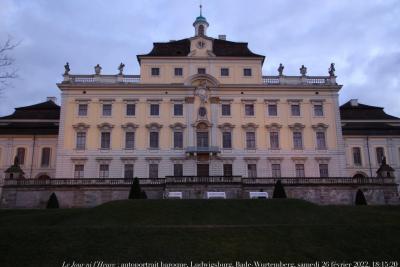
(177, 230)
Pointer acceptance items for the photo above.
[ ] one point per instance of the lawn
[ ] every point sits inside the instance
(199, 230)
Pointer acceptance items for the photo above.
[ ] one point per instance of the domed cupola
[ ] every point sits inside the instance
(200, 24)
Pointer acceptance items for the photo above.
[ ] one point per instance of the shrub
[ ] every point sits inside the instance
(279, 191)
(360, 198)
(136, 192)
(52, 203)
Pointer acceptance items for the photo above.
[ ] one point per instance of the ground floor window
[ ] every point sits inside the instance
(323, 170)
(78, 171)
(104, 171)
(153, 170)
(178, 170)
(252, 170)
(228, 170)
(276, 170)
(128, 171)
(300, 170)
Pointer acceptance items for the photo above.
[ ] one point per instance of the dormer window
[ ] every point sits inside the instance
(247, 72)
(155, 71)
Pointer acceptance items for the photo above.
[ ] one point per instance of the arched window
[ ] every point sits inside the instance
(21, 155)
(201, 30)
(45, 160)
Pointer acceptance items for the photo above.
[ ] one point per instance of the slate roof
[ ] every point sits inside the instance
(181, 48)
(41, 118)
(364, 112)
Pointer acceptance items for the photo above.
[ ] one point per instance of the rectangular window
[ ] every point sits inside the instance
(357, 156)
(80, 140)
(250, 140)
(201, 71)
(379, 155)
(154, 109)
(246, 72)
(202, 139)
(82, 109)
(128, 171)
(224, 72)
(318, 110)
(153, 170)
(154, 140)
(300, 170)
(21, 155)
(272, 110)
(178, 71)
(45, 160)
(130, 109)
(274, 140)
(249, 109)
(178, 140)
(323, 170)
(178, 170)
(227, 140)
(105, 140)
(107, 109)
(103, 171)
(155, 71)
(226, 109)
(228, 170)
(321, 142)
(178, 109)
(252, 170)
(276, 170)
(295, 109)
(129, 140)
(297, 140)
(78, 171)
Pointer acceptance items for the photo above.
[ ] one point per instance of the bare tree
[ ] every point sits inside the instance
(7, 70)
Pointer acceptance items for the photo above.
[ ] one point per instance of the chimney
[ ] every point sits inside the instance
(52, 98)
(222, 37)
(354, 102)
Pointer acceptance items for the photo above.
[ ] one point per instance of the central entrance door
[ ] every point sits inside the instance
(202, 170)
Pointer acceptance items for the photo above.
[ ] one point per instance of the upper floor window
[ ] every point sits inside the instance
(178, 169)
(224, 72)
(82, 109)
(79, 170)
(357, 156)
(380, 153)
(252, 170)
(107, 109)
(276, 170)
(155, 71)
(227, 140)
(323, 170)
(154, 109)
(201, 71)
(130, 109)
(128, 171)
(295, 109)
(250, 140)
(129, 140)
(249, 109)
(202, 139)
(104, 171)
(178, 109)
(178, 71)
(105, 140)
(45, 160)
(228, 170)
(297, 140)
(318, 110)
(321, 141)
(178, 140)
(154, 140)
(226, 109)
(81, 140)
(21, 155)
(272, 110)
(300, 172)
(274, 139)
(247, 72)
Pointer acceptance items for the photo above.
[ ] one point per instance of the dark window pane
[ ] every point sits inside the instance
(202, 139)
(178, 170)
(178, 139)
(81, 140)
(249, 109)
(247, 72)
(379, 154)
(228, 170)
(321, 142)
(300, 170)
(153, 171)
(154, 109)
(78, 171)
(357, 156)
(224, 72)
(252, 170)
(276, 170)
(295, 109)
(104, 172)
(318, 110)
(153, 139)
(201, 71)
(250, 140)
(21, 155)
(129, 140)
(178, 109)
(226, 109)
(128, 171)
(82, 109)
(274, 140)
(107, 109)
(45, 161)
(297, 140)
(105, 140)
(130, 109)
(155, 71)
(272, 110)
(227, 140)
(323, 170)
(178, 71)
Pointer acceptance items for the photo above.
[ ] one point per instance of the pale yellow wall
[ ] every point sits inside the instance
(238, 118)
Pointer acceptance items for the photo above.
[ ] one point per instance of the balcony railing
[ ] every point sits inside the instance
(109, 79)
(202, 150)
(299, 80)
(171, 180)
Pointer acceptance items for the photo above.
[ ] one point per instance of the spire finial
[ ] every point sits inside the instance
(201, 7)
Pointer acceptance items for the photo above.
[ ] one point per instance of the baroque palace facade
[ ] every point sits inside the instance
(200, 114)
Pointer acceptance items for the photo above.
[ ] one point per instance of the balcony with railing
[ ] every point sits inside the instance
(299, 80)
(102, 79)
(190, 180)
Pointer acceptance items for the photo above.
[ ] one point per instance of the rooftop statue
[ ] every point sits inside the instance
(67, 69)
(332, 70)
(97, 69)
(280, 69)
(121, 68)
(303, 70)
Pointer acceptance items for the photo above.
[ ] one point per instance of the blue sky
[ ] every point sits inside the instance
(362, 37)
